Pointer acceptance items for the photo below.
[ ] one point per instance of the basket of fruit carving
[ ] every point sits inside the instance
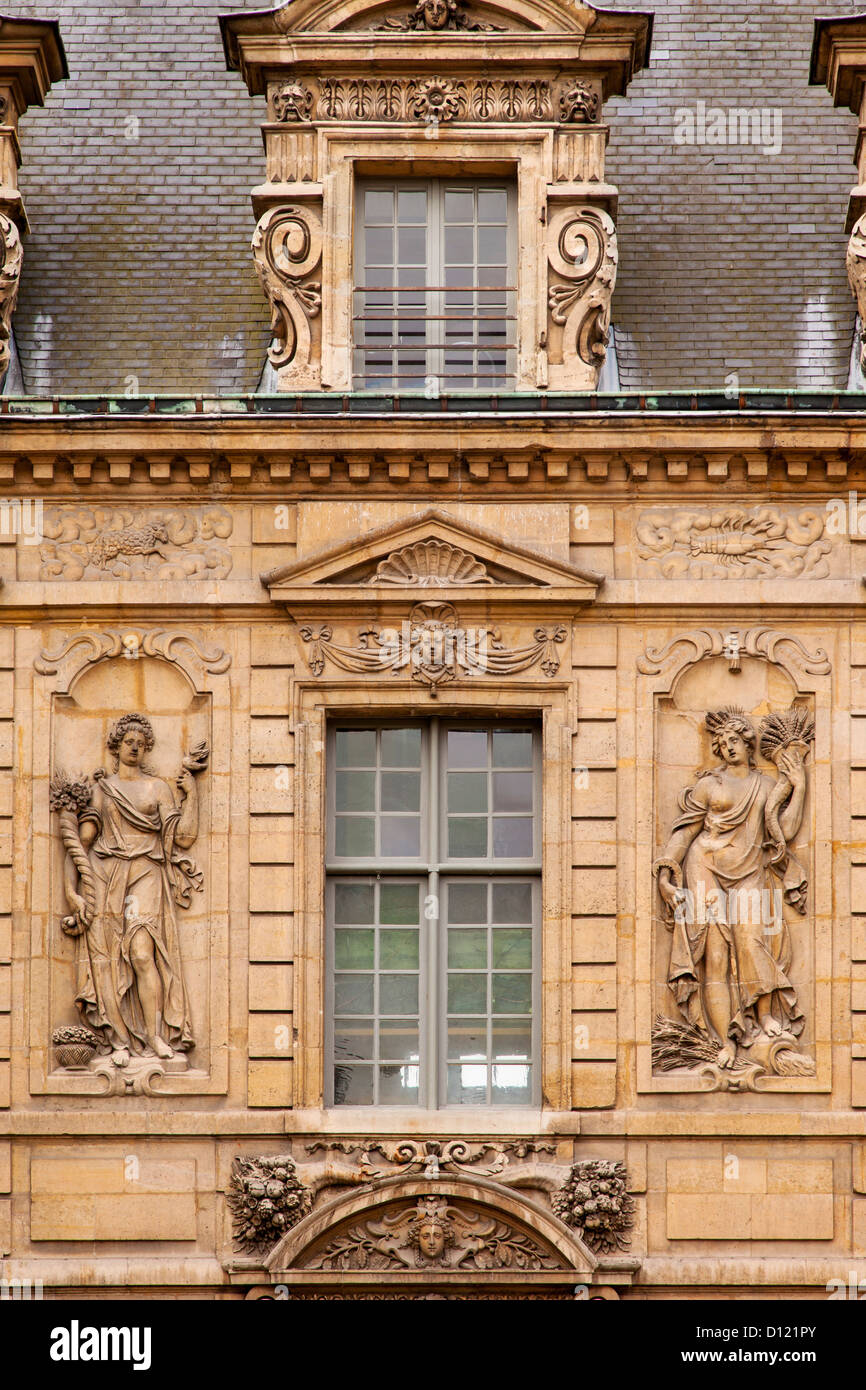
(73, 1047)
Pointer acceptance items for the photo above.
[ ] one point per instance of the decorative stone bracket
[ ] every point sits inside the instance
(287, 249)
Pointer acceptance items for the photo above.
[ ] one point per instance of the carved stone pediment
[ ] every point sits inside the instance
(435, 557)
(436, 1233)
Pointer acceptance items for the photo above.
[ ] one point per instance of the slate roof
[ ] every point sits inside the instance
(137, 176)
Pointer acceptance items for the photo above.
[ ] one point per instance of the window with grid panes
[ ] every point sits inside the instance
(433, 903)
(434, 303)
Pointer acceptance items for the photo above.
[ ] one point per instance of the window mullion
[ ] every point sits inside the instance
(436, 272)
(433, 1039)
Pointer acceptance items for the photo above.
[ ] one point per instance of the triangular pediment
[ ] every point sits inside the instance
(431, 555)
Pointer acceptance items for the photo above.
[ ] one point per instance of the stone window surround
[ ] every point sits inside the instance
(350, 155)
(551, 705)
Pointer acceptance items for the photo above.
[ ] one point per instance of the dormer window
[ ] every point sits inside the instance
(435, 216)
(435, 302)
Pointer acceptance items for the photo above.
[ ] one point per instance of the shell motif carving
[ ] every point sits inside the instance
(430, 563)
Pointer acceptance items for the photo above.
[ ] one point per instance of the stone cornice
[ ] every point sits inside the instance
(436, 454)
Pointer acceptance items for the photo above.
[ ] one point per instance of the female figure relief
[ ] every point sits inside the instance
(725, 876)
(124, 876)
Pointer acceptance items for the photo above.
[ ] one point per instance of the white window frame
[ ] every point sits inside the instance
(431, 377)
(437, 869)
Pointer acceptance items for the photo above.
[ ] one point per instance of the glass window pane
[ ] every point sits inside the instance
(459, 245)
(398, 1041)
(353, 994)
(398, 994)
(401, 836)
(353, 902)
(356, 791)
(379, 249)
(353, 950)
(353, 1038)
(492, 205)
(512, 902)
(467, 994)
(467, 791)
(356, 748)
(467, 838)
(412, 247)
(512, 1041)
(398, 950)
(353, 1085)
(467, 948)
(491, 248)
(467, 1083)
(512, 948)
(378, 205)
(511, 1084)
(398, 903)
(459, 205)
(512, 791)
(398, 1085)
(512, 837)
(412, 205)
(401, 791)
(401, 747)
(467, 748)
(467, 902)
(355, 836)
(512, 994)
(512, 748)
(467, 1039)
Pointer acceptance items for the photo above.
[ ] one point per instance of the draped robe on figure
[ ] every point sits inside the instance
(733, 851)
(140, 875)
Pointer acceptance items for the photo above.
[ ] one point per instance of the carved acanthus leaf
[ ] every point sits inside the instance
(287, 248)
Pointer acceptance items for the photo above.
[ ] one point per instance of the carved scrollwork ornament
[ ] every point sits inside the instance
(10, 276)
(287, 247)
(582, 250)
(855, 261)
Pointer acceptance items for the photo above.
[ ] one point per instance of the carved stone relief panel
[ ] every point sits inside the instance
(131, 873)
(737, 894)
(734, 542)
(129, 543)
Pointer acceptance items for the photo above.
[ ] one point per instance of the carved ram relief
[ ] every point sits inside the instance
(740, 897)
(126, 543)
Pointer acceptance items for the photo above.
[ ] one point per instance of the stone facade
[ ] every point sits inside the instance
(191, 598)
